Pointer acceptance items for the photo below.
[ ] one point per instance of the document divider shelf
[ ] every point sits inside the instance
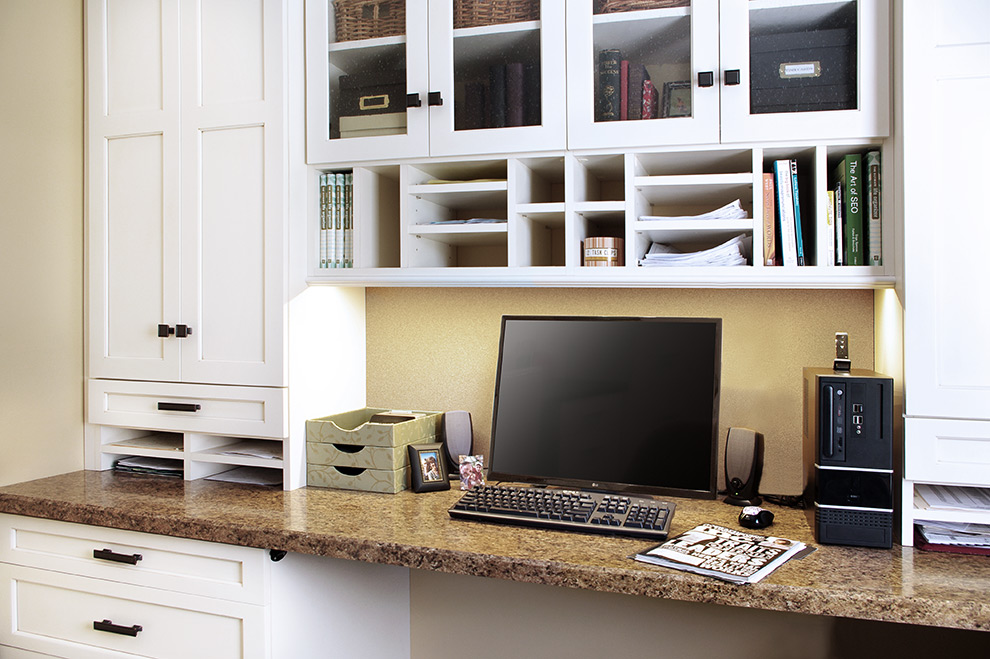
(350, 451)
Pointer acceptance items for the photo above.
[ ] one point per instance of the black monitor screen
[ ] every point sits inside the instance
(616, 404)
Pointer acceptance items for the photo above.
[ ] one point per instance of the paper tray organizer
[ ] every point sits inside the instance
(346, 451)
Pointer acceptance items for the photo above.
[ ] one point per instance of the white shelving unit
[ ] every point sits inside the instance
(551, 202)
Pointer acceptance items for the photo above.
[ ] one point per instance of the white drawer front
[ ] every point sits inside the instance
(947, 451)
(189, 566)
(243, 411)
(55, 613)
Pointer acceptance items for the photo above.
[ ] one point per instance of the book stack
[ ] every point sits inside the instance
(336, 220)
(625, 90)
(509, 97)
(855, 202)
(850, 231)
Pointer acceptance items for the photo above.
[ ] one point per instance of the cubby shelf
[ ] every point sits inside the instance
(532, 212)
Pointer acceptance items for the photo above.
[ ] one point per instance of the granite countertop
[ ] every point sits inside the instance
(413, 530)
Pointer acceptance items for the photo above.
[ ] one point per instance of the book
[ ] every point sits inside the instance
(872, 221)
(637, 73)
(475, 111)
(785, 211)
(769, 223)
(723, 553)
(532, 94)
(623, 90)
(496, 91)
(607, 107)
(828, 232)
(338, 238)
(840, 252)
(322, 258)
(348, 259)
(795, 198)
(514, 94)
(848, 174)
(651, 100)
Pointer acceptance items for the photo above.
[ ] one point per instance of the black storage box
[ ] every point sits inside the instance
(379, 93)
(803, 71)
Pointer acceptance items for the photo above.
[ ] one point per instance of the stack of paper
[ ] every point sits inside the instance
(731, 211)
(142, 465)
(731, 252)
(957, 534)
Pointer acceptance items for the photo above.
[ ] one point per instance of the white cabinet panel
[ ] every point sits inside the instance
(135, 62)
(947, 451)
(242, 411)
(54, 612)
(189, 566)
(233, 40)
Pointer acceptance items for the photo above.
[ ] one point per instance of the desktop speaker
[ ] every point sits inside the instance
(457, 435)
(848, 455)
(743, 466)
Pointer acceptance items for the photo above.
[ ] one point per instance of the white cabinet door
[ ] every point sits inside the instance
(795, 57)
(234, 159)
(676, 46)
(468, 62)
(946, 224)
(187, 161)
(133, 166)
(431, 89)
(350, 69)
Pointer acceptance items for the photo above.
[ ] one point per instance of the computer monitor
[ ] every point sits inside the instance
(608, 403)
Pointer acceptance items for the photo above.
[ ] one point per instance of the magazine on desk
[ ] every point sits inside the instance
(723, 553)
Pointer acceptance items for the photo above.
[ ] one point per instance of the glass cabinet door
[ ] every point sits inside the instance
(367, 78)
(496, 76)
(642, 72)
(794, 70)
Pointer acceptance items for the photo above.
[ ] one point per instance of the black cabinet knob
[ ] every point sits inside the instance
(706, 78)
(733, 76)
(413, 101)
(434, 98)
(108, 626)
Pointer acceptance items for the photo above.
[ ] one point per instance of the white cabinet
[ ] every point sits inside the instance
(946, 82)
(732, 71)
(71, 590)
(186, 121)
(411, 78)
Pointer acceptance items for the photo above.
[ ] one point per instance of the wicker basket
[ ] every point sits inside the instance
(472, 13)
(615, 6)
(368, 19)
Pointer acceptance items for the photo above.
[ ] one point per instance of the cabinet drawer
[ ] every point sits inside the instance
(947, 451)
(177, 564)
(55, 613)
(225, 410)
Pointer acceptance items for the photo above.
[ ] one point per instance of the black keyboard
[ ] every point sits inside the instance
(567, 510)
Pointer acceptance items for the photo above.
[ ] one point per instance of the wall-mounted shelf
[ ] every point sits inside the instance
(519, 220)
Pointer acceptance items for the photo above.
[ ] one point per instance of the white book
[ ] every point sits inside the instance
(827, 235)
(785, 210)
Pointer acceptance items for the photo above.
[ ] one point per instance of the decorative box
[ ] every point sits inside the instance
(348, 451)
(803, 71)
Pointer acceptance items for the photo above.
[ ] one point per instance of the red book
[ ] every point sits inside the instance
(651, 98)
(624, 90)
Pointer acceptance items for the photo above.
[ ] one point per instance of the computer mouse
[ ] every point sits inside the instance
(754, 517)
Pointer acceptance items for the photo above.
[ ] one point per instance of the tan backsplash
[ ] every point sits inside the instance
(437, 348)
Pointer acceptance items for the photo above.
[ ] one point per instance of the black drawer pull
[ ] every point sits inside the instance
(733, 76)
(178, 407)
(110, 555)
(434, 98)
(108, 626)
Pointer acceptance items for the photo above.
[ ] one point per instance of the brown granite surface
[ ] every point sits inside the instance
(414, 530)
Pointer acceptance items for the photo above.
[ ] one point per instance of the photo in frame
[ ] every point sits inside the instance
(676, 99)
(426, 468)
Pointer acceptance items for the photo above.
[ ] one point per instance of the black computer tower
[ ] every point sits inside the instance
(849, 457)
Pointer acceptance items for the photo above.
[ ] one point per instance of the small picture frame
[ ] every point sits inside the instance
(676, 99)
(426, 468)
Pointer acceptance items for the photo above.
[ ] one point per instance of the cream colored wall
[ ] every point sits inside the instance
(437, 349)
(41, 238)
